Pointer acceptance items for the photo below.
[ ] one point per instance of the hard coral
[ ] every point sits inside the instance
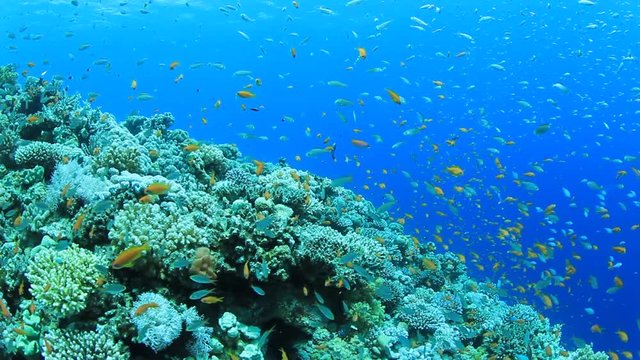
(62, 344)
(61, 281)
(43, 154)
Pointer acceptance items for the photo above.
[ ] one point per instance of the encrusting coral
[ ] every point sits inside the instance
(170, 248)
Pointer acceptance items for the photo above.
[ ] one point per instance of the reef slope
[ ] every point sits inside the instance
(133, 240)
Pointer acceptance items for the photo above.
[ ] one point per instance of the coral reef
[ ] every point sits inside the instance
(133, 240)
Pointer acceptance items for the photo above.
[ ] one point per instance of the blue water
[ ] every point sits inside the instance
(590, 49)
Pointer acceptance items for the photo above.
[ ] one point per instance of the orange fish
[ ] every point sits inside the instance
(127, 257)
(78, 223)
(360, 143)
(20, 331)
(259, 166)
(144, 307)
(32, 119)
(293, 52)
(157, 188)
(4, 309)
(174, 65)
(146, 199)
(620, 249)
(48, 345)
(134, 84)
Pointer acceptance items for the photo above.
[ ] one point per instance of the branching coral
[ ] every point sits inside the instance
(82, 345)
(61, 281)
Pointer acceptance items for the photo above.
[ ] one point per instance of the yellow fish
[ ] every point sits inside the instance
(455, 170)
(623, 336)
(245, 94)
(284, 354)
(211, 299)
(394, 96)
(362, 52)
(245, 270)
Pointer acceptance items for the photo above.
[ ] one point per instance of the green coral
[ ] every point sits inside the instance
(61, 281)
